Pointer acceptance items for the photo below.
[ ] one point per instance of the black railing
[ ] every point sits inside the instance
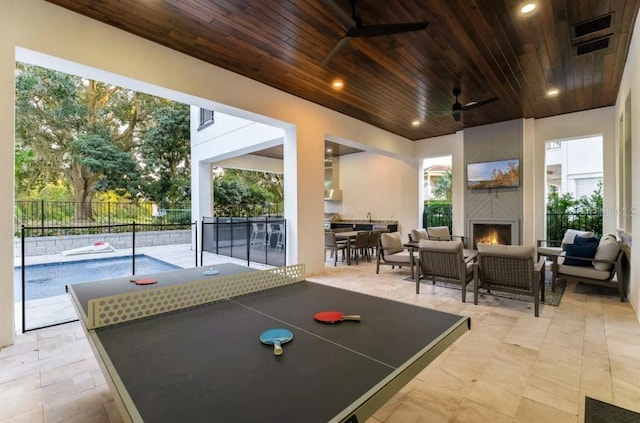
(437, 215)
(558, 223)
(249, 210)
(48, 215)
(261, 240)
(37, 282)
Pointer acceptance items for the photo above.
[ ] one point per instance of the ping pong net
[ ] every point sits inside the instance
(119, 308)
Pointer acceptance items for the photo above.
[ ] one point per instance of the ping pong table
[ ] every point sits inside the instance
(187, 347)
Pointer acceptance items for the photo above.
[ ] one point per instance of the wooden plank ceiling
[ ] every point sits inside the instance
(487, 48)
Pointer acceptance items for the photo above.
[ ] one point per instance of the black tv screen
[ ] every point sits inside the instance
(496, 174)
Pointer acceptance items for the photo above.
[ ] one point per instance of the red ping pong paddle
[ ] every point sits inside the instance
(147, 281)
(335, 317)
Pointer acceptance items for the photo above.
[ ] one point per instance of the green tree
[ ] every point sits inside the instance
(166, 155)
(83, 131)
(443, 187)
(565, 212)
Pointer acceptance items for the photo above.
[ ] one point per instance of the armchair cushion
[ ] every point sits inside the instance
(418, 234)
(587, 272)
(608, 249)
(439, 232)
(391, 243)
(585, 251)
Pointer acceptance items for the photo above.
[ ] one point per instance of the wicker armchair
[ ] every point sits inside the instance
(441, 233)
(444, 261)
(510, 268)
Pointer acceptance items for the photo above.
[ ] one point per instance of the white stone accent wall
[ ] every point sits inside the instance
(35, 246)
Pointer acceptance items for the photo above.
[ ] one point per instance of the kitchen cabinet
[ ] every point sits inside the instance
(364, 226)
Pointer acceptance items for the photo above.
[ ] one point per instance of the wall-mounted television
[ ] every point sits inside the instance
(496, 174)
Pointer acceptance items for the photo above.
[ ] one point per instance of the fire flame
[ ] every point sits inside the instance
(490, 238)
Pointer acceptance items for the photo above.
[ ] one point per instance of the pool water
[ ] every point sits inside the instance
(50, 279)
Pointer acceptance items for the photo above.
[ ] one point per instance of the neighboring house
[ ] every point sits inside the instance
(574, 166)
(431, 174)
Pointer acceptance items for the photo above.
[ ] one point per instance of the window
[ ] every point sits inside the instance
(553, 145)
(206, 118)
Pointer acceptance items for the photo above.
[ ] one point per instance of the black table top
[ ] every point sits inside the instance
(207, 364)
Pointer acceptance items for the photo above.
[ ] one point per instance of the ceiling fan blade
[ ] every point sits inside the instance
(342, 16)
(390, 29)
(476, 104)
(339, 46)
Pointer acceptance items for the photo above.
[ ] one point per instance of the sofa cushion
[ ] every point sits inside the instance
(584, 250)
(583, 240)
(570, 234)
(391, 242)
(507, 250)
(587, 272)
(418, 234)
(440, 233)
(608, 249)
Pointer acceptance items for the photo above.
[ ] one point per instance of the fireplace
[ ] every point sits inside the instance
(493, 232)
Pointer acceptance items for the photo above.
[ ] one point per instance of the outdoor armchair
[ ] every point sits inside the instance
(444, 261)
(441, 233)
(509, 268)
(604, 268)
(392, 252)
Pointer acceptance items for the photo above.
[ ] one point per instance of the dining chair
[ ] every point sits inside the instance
(334, 246)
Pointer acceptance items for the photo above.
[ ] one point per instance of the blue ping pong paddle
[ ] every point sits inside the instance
(276, 337)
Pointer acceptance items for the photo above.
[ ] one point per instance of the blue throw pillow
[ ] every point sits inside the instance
(587, 251)
(581, 240)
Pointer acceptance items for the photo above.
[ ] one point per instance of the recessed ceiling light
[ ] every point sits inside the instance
(328, 150)
(552, 92)
(415, 123)
(337, 84)
(528, 8)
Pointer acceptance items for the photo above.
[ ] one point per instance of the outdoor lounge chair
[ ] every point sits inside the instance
(392, 252)
(603, 269)
(444, 261)
(97, 247)
(509, 268)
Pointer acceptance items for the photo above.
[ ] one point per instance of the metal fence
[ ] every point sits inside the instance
(40, 279)
(258, 239)
(437, 215)
(249, 210)
(47, 216)
(558, 223)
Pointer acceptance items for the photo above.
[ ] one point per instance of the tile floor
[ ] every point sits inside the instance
(511, 366)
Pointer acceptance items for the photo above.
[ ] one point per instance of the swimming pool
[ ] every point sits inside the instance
(50, 279)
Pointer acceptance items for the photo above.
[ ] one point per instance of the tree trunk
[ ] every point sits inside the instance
(83, 182)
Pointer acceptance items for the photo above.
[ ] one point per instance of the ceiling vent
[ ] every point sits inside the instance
(591, 46)
(592, 26)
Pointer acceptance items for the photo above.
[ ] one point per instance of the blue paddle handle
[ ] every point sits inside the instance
(277, 347)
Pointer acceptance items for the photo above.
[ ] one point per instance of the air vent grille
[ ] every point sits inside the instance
(594, 25)
(591, 46)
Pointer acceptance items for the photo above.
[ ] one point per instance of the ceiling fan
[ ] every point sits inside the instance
(356, 29)
(457, 107)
